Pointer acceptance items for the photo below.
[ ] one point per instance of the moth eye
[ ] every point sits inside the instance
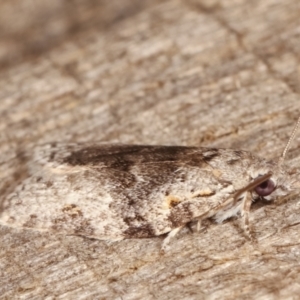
(265, 188)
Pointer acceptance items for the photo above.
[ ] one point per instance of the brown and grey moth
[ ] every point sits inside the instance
(114, 192)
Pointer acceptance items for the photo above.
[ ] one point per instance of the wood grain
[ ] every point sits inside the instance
(213, 73)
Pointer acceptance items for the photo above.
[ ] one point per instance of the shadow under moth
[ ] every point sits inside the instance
(113, 192)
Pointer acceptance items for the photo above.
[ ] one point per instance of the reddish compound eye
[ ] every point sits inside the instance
(265, 188)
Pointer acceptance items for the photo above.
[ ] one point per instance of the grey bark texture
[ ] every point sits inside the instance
(202, 73)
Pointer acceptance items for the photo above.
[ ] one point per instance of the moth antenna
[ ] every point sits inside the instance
(281, 159)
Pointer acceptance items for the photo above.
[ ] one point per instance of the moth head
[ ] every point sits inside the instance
(281, 181)
(265, 188)
(279, 184)
(271, 185)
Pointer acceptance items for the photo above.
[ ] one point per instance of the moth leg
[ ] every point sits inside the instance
(198, 228)
(245, 210)
(170, 235)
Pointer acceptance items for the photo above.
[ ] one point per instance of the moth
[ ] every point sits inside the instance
(114, 192)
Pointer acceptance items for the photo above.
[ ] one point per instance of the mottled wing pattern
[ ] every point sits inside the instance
(121, 191)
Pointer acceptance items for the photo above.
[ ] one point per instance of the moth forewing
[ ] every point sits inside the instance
(131, 191)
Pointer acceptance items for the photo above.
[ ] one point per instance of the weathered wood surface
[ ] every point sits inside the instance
(213, 73)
